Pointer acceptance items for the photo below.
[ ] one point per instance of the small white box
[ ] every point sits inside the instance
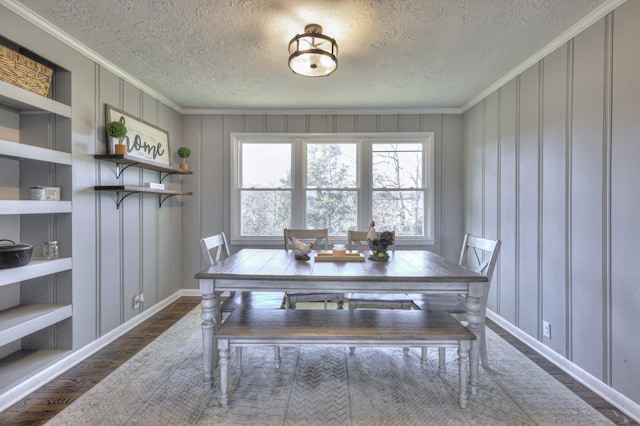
(153, 185)
(52, 193)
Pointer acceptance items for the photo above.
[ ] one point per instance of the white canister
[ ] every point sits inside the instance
(339, 250)
(38, 193)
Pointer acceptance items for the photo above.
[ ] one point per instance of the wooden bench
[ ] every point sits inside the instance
(373, 328)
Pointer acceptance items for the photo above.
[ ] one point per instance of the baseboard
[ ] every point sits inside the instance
(29, 385)
(620, 401)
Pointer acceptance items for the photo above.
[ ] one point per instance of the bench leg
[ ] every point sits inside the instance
(210, 314)
(463, 366)
(223, 348)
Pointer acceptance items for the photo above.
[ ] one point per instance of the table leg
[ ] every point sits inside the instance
(474, 317)
(210, 309)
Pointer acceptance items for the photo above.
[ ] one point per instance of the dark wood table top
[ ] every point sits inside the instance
(257, 269)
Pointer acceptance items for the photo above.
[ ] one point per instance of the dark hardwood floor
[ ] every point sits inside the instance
(50, 399)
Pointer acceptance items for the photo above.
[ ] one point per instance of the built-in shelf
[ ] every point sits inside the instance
(127, 190)
(21, 151)
(22, 320)
(25, 101)
(33, 207)
(38, 267)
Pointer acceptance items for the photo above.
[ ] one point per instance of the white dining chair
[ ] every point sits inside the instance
(357, 240)
(319, 238)
(211, 250)
(480, 255)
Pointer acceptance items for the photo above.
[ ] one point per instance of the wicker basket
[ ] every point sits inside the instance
(24, 72)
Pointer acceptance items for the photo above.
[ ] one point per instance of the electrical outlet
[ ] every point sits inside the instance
(136, 301)
(546, 329)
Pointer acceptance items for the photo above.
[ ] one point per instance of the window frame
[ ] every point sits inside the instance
(364, 179)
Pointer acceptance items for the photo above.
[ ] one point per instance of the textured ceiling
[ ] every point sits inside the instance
(392, 54)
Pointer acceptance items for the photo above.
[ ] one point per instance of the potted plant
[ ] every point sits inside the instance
(184, 153)
(117, 131)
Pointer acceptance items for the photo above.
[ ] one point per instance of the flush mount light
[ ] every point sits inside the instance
(313, 54)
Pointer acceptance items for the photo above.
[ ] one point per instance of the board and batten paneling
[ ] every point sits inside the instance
(553, 211)
(624, 287)
(567, 173)
(208, 136)
(587, 266)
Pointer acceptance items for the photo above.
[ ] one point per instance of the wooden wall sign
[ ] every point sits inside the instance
(143, 140)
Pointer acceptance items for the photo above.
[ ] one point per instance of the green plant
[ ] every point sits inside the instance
(116, 129)
(184, 152)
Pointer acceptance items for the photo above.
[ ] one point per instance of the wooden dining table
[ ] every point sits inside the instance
(269, 270)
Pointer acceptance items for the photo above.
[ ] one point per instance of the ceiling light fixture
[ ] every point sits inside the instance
(313, 54)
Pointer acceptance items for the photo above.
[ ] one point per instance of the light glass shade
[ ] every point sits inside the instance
(313, 54)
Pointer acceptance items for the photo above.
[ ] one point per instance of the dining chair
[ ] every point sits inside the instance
(357, 240)
(480, 255)
(211, 250)
(317, 237)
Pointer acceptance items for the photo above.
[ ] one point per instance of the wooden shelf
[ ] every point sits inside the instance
(22, 320)
(163, 194)
(140, 163)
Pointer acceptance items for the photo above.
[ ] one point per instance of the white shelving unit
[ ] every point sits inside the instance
(36, 312)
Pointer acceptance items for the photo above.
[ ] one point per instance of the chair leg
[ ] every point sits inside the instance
(352, 307)
(424, 358)
(442, 364)
(238, 357)
(405, 351)
(276, 356)
(483, 351)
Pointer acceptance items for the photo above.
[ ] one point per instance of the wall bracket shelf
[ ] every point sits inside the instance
(128, 161)
(123, 191)
(163, 194)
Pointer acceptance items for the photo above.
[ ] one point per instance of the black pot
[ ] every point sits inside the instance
(13, 255)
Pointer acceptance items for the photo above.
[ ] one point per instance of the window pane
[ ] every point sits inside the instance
(402, 211)
(266, 165)
(397, 165)
(265, 213)
(335, 210)
(331, 165)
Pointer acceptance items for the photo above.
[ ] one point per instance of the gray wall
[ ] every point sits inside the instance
(116, 253)
(551, 168)
(208, 137)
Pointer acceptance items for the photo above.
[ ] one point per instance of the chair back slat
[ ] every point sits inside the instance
(217, 243)
(480, 254)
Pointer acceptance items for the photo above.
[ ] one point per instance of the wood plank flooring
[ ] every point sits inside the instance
(50, 399)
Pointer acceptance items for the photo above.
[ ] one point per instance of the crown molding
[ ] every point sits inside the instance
(327, 111)
(597, 14)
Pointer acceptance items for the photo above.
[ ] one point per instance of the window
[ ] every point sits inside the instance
(337, 181)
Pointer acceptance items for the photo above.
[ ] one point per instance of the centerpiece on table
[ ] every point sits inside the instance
(380, 245)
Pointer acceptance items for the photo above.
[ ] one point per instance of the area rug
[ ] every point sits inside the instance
(162, 385)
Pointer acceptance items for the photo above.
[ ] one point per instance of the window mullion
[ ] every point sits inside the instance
(365, 184)
(298, 192)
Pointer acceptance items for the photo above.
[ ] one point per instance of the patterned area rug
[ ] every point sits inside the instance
(162, 385)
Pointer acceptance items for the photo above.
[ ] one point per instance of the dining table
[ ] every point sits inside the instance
(406, 271)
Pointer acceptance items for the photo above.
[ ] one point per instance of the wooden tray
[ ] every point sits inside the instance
(349, 257)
